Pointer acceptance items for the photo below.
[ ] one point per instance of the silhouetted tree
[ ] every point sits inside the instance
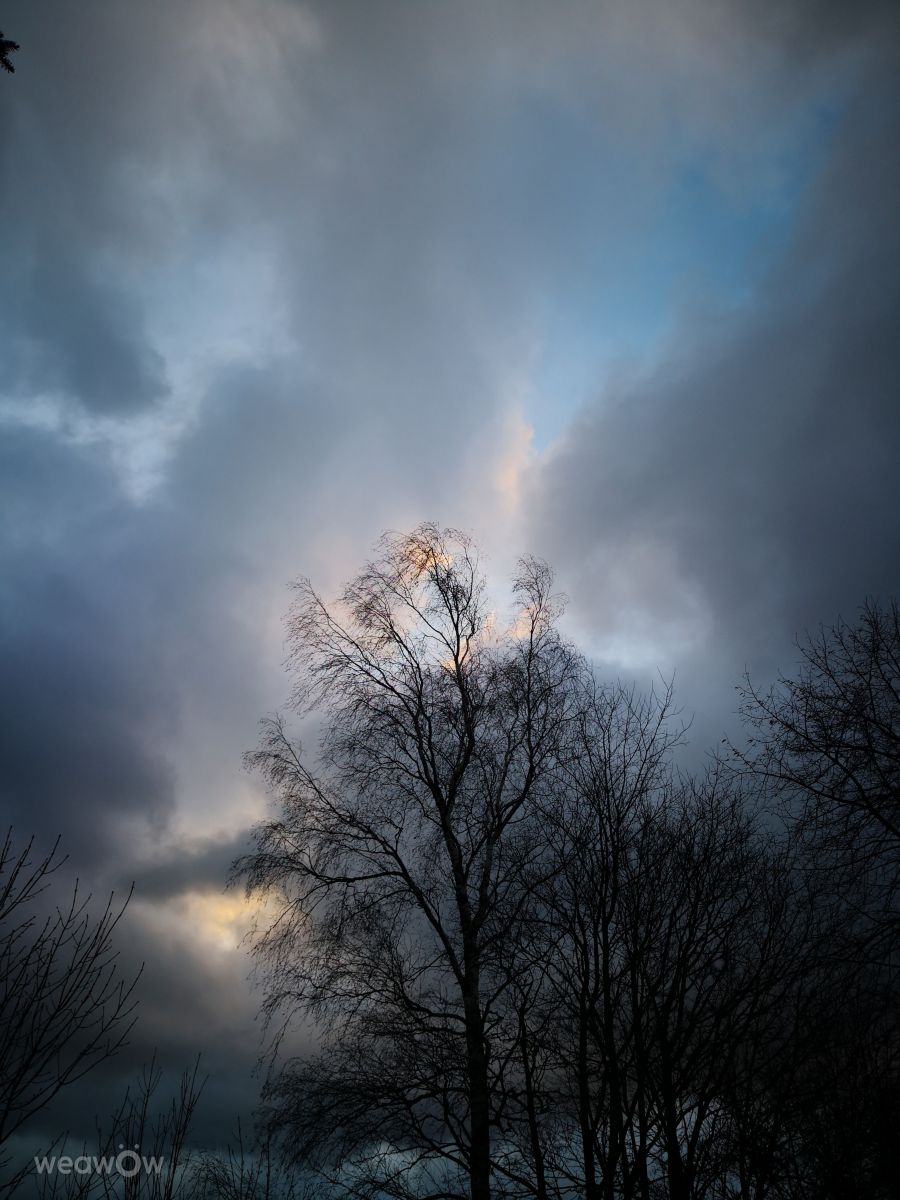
(670, 937)
(826, 743)
(825, 747)
(582, 1020)
(541, 961)
(64, 1005)
(252, 1169)
(159, 1135)
(396, 866)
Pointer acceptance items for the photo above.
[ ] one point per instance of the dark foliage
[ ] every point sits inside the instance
(7, 47)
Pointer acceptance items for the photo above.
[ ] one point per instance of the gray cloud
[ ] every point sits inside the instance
(84, 716)
(72, 323)
(758, 493)
(74, 334)
(120, 620)
(203, 864)
(191, 1002)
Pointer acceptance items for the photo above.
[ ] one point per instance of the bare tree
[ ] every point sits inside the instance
(159, 1163)
(595, 1133)
(396, 865)
(717, 958)
(824, 745)
(541, 962)
(252, 1169)
(687, 1029)
(670, 946)
(64, 1004)
(826, 742)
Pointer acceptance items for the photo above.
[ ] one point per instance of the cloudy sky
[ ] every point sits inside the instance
(613, 282)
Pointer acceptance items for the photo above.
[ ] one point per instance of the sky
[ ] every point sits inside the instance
(614, 283)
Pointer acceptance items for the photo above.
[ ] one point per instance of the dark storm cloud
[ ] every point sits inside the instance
(133, 678)
(201, 864)
(191, 1002)
(70, 332)
(70, 326)
(464, 134)
(814, 26)
(83, 715)
(747, 488)
(117, 617)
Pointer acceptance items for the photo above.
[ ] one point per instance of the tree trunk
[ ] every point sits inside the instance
(591, 1191)
(479, 1096)
(537, 1150)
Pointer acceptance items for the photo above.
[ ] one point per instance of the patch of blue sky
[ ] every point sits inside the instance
(709, 244)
